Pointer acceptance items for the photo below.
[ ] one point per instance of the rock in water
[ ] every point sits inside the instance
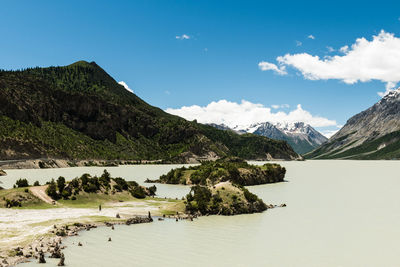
(56, 253)
(136, 220)
(62, 259)
(109, 239)
(41, 257)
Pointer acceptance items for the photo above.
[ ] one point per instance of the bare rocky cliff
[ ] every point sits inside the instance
(371, 134)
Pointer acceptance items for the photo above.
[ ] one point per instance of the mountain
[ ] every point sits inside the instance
(80, 112)
(371, 134)
(300, 136)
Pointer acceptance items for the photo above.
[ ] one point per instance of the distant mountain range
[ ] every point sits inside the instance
(80, 112)
(371, 134)
(301, 137)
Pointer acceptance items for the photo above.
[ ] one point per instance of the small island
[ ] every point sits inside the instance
(218, 186)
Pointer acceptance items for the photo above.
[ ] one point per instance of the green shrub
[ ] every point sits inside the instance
(21, 183)
(61, 184)
(12, 203)
(66, 194)
(152, 190)
(74, 183)
(117, 188)
(138, 192)
(122, 183)
(106, 176)
(51, 190)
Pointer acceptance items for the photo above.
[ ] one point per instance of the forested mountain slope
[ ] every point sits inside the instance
(80, 112)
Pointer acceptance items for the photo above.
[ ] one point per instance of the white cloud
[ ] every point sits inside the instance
(312, 37)
(328, 133)
(245, 113)
(280, 106)
(330, 49)
(182, 37)
(167, 92)
(125, 86)
(366, 60)
(344, 49)
(390, 86)
(298, 43)
(263, 65)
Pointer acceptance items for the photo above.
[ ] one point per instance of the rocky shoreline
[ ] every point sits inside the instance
(51, 245)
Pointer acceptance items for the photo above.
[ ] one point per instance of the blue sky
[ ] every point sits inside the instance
(136, 42)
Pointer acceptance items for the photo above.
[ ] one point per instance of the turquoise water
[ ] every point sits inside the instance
(339, 213)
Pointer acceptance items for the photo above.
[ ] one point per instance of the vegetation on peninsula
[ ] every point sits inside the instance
(105, 184)
(218, 186)
(230, 169)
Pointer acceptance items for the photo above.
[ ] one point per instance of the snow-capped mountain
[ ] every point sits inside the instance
(302, 137)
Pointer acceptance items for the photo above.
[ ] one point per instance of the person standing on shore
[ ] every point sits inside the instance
(100, 207)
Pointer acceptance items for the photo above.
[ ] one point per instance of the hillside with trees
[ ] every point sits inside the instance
(80, 112)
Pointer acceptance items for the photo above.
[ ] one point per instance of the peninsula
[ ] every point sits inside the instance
(218, 186)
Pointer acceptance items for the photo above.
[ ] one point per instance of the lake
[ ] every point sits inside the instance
(339, 213)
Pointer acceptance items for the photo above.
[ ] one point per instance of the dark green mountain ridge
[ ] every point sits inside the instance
(80, 112)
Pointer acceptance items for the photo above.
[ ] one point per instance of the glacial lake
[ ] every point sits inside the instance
(339, 213)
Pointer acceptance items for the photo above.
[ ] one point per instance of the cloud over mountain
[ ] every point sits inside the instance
(125, 86)
(246, 113)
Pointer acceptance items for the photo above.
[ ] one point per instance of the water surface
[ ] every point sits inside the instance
(339, 213)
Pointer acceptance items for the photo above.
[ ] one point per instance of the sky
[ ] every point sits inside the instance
(232, 62)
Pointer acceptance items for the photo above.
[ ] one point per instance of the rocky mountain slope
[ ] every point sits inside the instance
(301, 137)
(371, 134)
(80, 112)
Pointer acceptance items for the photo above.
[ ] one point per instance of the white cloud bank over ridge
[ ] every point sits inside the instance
(246, 113)
(377, 59)
(125, 86)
